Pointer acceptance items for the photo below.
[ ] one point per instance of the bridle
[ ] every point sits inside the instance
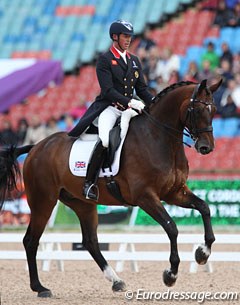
(192, 132)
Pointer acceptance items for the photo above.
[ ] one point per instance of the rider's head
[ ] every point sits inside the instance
(120, 27)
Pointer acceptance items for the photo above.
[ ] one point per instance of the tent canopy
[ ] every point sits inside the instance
(20, 78)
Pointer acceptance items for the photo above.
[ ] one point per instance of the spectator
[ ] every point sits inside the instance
(192, 73)
(143, 57)
(7, 134)
(168, 62)
(211, 56)
(174, 77)
(217, 95)
(225, 71)
(226, 54)
(236, 90)
(236, 63)
(230, 108)
(230, 95)
(150, 70)
(234, 20)
(51, 127)
(36, 131)
(223, 14)
(21, 130)
(146, 42)
(78, 111)
(68, 122)
(160, 84)
(206, 72)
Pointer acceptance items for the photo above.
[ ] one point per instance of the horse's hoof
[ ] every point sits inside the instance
(202, 254)
(118, 286)
(169, 278)
(45, 294)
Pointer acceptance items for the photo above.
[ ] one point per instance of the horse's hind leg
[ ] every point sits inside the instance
(156, 210)
(87, 214)
(40, 214)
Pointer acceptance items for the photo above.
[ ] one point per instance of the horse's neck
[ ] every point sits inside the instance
(167, 110)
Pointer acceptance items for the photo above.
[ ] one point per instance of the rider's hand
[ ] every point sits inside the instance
(136, 104)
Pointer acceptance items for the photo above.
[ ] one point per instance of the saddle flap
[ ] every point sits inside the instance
(114, 142)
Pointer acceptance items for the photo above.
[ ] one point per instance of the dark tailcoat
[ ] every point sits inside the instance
(117, 81)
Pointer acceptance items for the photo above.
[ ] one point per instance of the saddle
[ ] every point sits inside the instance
(114, 142)
(85, 144)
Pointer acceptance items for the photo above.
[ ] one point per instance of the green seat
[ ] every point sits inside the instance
(6, 51)
(103, 43)
(34, 45)
(69, 63)
(156, 12)
(170, 7)
(88, 52)
(21, 46)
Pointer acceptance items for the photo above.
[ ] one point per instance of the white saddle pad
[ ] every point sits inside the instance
(80, 155)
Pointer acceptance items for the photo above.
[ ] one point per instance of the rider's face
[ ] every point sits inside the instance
(124, 41)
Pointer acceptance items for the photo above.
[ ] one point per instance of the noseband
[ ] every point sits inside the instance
(193, 131)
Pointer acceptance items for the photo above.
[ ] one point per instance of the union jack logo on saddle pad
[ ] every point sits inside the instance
(80, 164)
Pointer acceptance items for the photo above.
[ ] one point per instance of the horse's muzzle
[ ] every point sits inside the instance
(203, 148)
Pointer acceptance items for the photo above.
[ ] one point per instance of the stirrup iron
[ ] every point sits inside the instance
(95, 190)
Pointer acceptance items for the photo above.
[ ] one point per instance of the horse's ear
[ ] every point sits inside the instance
(214, 87)
(203, 85)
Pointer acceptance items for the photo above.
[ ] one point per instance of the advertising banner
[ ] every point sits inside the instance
(222, 196)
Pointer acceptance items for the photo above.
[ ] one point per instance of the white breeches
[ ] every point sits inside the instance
(107, 120)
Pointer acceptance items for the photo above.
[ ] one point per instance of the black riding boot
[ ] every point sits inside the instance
(90, 189)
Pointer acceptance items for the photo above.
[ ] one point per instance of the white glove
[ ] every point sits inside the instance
(136, 104)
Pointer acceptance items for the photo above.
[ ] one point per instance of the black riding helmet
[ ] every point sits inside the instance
(120, 27)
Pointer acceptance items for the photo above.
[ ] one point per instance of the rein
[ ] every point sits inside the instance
(192, 132)
(167, 127)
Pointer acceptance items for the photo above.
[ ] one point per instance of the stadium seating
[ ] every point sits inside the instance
(75, 31)
(224, 158)
(70, 31)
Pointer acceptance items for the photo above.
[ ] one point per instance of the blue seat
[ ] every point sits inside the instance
(231, 127)
(218, 131)
(227, 34)
(194, 53)
(77, 36)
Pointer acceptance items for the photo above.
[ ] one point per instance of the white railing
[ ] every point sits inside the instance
(51, 249)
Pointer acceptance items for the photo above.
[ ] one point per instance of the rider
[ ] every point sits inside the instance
(119, 73)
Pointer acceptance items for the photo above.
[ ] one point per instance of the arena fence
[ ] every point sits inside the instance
(51, 249)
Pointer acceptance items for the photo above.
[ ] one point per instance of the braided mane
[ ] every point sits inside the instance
(174, 86)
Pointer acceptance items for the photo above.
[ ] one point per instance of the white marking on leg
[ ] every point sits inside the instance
(110, 274)
(173, 276)
(205, 250)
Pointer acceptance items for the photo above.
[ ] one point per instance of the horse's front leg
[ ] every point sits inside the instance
(155, 209)
(187, 199)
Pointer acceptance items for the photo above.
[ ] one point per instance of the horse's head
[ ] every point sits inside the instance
(199, 116)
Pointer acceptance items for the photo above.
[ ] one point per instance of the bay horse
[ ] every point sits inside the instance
(153, 168)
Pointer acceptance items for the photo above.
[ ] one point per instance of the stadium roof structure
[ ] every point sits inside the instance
(20, 78)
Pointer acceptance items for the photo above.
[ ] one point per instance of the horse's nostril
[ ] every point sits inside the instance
(205, 150)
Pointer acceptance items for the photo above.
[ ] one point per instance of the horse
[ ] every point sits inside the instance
(153, 168)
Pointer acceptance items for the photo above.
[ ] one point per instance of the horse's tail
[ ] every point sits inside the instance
(10, 170)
